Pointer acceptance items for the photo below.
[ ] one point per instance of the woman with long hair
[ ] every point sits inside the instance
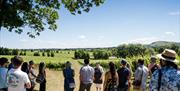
(42, 73)
(111, 78)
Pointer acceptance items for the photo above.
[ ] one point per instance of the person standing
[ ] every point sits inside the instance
(32, 75)
(17, 80)
(168, 77)
(42, 76)
(86, 76)
(141, 75)
(3, 73)
(124, 76)
(153, 65)
(98, 77)
(68, 73)
(111, 78)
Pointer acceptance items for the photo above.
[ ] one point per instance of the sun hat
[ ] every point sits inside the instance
(153, 59)
(168, 55)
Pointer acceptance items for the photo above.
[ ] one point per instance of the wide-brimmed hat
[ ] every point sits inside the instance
(168, 55)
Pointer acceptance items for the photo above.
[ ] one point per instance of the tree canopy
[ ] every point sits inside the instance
(38, 15)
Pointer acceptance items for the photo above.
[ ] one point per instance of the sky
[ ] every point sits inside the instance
(111, 24)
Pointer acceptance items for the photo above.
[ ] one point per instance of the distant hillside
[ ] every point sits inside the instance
(163, 43)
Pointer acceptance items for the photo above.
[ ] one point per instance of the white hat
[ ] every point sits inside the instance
(168, 55)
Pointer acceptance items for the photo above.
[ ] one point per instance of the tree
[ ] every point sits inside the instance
(15, 52)
(38, 15)
(52, 54)
(43, 54)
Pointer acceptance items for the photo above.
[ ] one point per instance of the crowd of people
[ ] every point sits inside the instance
(20, 75)
(165, 76)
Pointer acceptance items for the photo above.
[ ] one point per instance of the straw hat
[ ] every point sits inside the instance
(168, 55)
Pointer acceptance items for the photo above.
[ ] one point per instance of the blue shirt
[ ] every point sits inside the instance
(87, 74)
(3, 74)
(170, 80)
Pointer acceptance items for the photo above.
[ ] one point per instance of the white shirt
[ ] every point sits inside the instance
(17, 79)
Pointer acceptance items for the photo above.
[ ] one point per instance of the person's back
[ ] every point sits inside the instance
(170, 80)
(87, 73)
(123, 74)
(86, 76)
(3, 74)
(17, 80)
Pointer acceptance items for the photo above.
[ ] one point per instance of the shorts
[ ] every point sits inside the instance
(98, 85)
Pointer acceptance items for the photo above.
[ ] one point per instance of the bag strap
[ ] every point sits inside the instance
(159, 79)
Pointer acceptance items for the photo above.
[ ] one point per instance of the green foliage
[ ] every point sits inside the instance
(21, 53)
(133, 50)
(36, 54)
(38, 15)
(80, 54)
(43, 54)
(15, 52)
(101, 54)
(55, 66)
(52, 54)
(48, 54)
(4, 51)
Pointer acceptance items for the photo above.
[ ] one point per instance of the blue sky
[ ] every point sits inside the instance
(113, 23)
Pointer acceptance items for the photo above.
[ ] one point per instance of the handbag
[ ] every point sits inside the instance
(40, 78)
(72, 85)
(137, 83)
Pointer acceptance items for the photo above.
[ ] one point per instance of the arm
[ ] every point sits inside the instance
(117, 81)
(105, 80)
(27, 81)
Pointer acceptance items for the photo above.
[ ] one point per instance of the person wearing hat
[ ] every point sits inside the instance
(153, 65)
(124, 76)
(3, 73)
(68, 73)
(167, 78)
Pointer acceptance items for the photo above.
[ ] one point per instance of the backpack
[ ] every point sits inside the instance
(40, 78)
(97, 75)
(123, 74)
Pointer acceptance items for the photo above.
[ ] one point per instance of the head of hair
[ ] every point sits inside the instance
(68, 64)
(17, 61)
(141, 61)
(31, 62)
(112, 69)
(41, 67)
(24, 67)
(3, 60)
(86, 61)
(171, 64)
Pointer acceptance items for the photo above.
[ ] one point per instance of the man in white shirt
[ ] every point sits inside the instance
(17, 80)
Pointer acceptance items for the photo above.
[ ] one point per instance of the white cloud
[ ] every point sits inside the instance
(170, 33)
(143, 40)
(82, 36)
(175, 13)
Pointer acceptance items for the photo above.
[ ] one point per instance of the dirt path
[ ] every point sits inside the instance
(55, 79)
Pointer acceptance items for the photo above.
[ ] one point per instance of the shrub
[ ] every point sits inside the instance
(52, 54)
(81, 54)
(36, 54)
(99, 54)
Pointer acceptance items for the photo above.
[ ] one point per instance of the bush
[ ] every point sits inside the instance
(55, 66)
(15, 52)
(43, 54)
(52, 54)
(36, 54)
(81, 54)
(48, 54)
(99, 54)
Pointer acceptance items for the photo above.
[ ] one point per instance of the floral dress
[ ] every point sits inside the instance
(170, 80)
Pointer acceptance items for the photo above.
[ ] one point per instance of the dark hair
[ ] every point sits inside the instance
(25, 68)
(17, 61)
(171, 64)
(41, 68)
(112, 69)
(3, 60)
(141, 61)
(86, 61)
(31, 62)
